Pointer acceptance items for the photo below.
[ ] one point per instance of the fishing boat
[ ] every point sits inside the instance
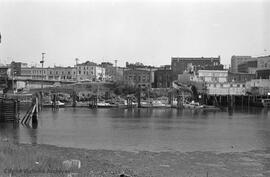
(192, 105)
(154, 104)
(210, 108)
(159, 104)
(58, 104)
(103, 104)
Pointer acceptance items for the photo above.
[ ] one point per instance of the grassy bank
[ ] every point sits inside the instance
(45, 160)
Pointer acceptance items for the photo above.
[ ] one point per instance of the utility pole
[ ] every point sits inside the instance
(42, 63)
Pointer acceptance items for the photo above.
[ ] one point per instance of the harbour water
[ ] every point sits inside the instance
(147, 129)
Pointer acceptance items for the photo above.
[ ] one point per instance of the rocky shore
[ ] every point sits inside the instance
(25, 160)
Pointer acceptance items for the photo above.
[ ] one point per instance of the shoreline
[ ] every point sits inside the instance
(105, 163)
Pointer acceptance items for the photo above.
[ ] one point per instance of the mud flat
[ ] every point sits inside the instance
(45, 160)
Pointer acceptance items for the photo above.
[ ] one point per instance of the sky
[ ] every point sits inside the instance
(149, 31)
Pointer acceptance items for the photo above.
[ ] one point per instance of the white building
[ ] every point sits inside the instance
(90, 71)
(226, 88)
(213, 76)
(34, 73)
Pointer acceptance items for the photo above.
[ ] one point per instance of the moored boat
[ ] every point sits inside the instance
(58, 104)
(103, 104)
(192, 105)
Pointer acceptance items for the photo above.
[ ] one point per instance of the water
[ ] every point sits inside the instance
(148, 129)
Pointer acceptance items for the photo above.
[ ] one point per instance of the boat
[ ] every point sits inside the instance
(58, 104)
(210, 108)
(159, 104)
(103, 104)
(154, 104)
(124, 104)
(192, 105)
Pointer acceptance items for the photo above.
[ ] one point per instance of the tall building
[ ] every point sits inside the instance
(248, 67)
(248, 64)
(181, 64)
(236, 60)
(16, 67)
(263, 62)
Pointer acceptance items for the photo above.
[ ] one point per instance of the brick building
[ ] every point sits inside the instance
(180, 64)
(163, 77)
(3, 78)
(240, 77)
(263, 73)
(138, 77)
(248, 67)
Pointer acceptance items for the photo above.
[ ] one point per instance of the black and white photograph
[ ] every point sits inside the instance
(134, 88)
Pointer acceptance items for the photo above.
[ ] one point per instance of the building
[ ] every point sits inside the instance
(61, 73)
(89, 71)
(138, 77)
(263, 73)
(163, 77)
(240, 77)
(110, 71)
(213, 76)
(140, 66)
(16, 67)
(226, 88)
(236, 60)
(181, 64)
(34, 73)
(248, 67)
(248, 64)
(3, 78)
(263, 62)
(258, 86)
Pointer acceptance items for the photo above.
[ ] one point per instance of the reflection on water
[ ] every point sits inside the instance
(147, 129)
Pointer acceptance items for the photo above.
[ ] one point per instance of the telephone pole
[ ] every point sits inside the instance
(42, 73)
(42, 63)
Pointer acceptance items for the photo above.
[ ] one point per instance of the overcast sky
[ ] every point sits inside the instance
(145, 31)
